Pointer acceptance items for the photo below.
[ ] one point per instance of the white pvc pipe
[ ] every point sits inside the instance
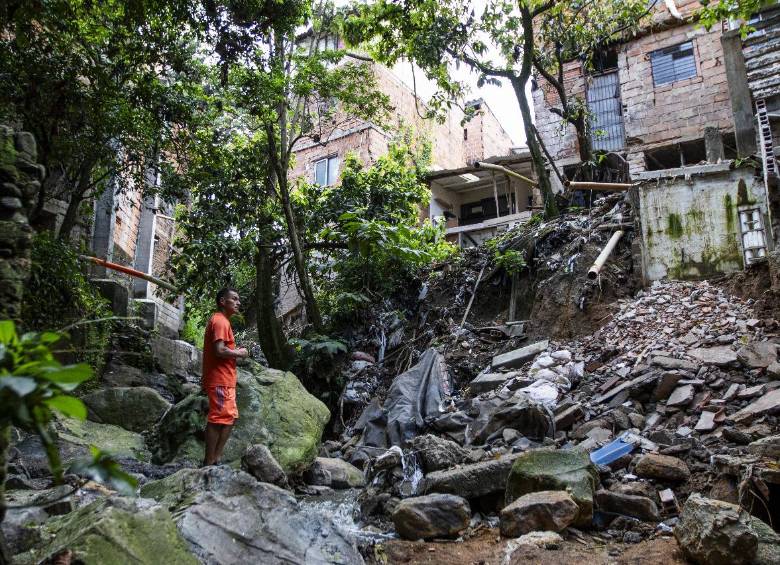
(593, 272)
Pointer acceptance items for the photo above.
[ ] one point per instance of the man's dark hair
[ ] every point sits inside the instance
(223, 292)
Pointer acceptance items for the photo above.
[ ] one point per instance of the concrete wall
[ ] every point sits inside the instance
(690, 226)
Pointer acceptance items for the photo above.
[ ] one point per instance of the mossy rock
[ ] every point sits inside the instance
(114, 530)
(112, 439)
(274, 409)
(555, 469)
(133, 408)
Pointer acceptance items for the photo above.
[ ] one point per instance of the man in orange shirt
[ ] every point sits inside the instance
(219, 374)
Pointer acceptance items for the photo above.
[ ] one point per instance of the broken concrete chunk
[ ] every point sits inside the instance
(682, 396)
(550, 469)
(639, 507)
(664, 467)
(720, 356)
(758, 355)
(766, 447)
(672, 363)
(716, 532)
(431, 516)
(538, 511)
(487, 382)
(471, 481)
(767, 404)
(666, 384)
(437, 453)
(517, 357)
(568, 417)
(750, 392)
(706, 422)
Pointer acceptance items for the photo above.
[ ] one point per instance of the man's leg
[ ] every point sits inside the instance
(213, 434)
(224, 434)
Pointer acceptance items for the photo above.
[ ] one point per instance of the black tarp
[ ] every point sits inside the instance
(415, 398)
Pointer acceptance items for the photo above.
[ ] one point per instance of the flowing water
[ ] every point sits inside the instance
(341, 506)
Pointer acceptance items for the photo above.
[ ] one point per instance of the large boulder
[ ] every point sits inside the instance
(550, 469)
(133, 408)
(431, 516)
(114, 530)
(714, 532)
(538, 511)
(274, 409)
(335, 473)
(226, 516)
(437, 453)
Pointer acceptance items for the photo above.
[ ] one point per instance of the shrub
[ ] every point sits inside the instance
(58, 295)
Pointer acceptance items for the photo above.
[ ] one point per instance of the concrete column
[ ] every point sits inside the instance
(144, 247)
(713, 145)
(103, 227)
(741, 102)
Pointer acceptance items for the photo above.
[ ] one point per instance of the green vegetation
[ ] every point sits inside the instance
(58, 295)
(33, 386)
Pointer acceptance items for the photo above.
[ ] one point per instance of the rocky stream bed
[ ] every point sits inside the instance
(641, 429)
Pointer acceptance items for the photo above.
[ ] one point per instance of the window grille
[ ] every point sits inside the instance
(606, 121)
(673, 63)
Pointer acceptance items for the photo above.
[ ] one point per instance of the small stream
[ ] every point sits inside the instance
(341, 506)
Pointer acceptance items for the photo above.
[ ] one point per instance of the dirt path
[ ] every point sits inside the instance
(490, 549)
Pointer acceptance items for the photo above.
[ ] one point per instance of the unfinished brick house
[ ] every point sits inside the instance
(665, 111)
(455, 146)
(137, 231)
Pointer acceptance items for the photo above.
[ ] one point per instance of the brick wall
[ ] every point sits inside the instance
(370, 140)
(653, 116)
(656, 116)
(128, 215)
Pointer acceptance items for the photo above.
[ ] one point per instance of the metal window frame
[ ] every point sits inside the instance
(670, 50)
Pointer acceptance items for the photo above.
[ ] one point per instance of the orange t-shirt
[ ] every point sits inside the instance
(218, 371)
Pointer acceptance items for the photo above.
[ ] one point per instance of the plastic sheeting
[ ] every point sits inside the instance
(415, 398)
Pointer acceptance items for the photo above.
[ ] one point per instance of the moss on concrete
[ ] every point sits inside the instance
(674, 227)
(744, 198)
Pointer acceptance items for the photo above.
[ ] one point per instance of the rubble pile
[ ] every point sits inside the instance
(678, 393)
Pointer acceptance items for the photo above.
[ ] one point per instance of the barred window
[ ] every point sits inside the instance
(673, 63)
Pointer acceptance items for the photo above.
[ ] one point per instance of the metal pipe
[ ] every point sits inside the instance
(593, 272)
(582, 185)
(510, 172)
(129, 271)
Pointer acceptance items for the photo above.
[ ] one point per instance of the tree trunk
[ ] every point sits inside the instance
(312, 308)
(518, 83)
(542, 175)
(74, 205)
(269, 330)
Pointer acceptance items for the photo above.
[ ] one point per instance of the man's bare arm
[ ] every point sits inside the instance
(225, 352)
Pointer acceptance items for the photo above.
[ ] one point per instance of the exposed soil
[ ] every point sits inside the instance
(755, 282)
(488, 548)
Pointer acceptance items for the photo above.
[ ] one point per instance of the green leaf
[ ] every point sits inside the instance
(8, 332)
(68, 405)
(68, 374)
(22, 386)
